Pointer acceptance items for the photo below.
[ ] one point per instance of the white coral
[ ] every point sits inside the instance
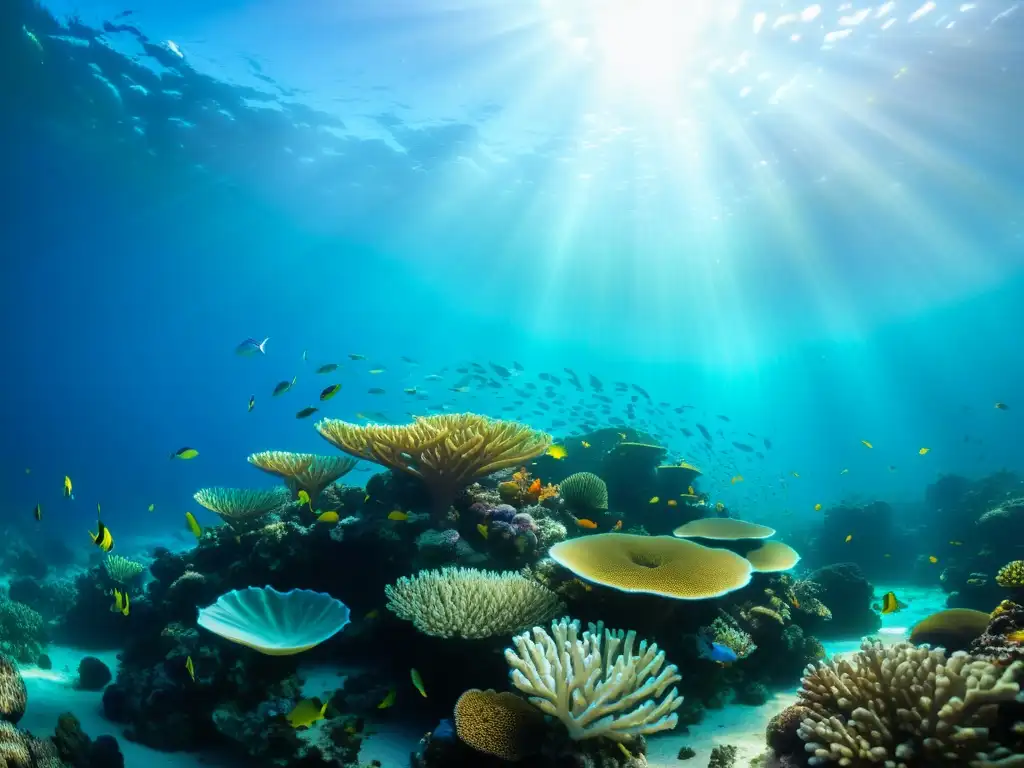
(594, 682)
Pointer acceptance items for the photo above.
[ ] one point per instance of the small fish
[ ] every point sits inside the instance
(185, 453)
(933, 559)
(585, 523)
(482, 530)
(736, 479)
(251, 347)
(584, 444)
(252, 402)
(1002, 407)
(356, 357)
(306, 412)
(956, 543)
(121, 604)
(37, 513)
(305, 356)
(795, 474)
(398, 516)
(328, 392)
(190, 668)
(617, 526)
(284, 386)
(410, 390)
(817, 507)
(67, 488)
(866, 444)
(371, 615)
(843, 471)
(329, 517)
(417, 682)
(389, 700)
(889, 603)
(672, 503)
(306, 713)
(376, 391)
(193, 525)
(328, 368)
(557, 452)
(102, 538)
(151, 507)
(1017, 636)
(849, 538)
(977, 582)
(923, 451)
(376, 371)
(709, 649)
(304, 499)
(654, 500)
(459, 389)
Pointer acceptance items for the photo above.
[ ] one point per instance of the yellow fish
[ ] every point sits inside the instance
(193, 525)
(120, 602)
(152, 507)
(37, 513)
(849, 538)
(190, 668)
(305, 500)
(328, 517)
(376, 371)
(889, 603)
(689, 490)
(866, 444)
(306, 712)
(557, 452)
(388, 700)
(417, 682)
(482, 529)
(737, 479)
(67, 487)
(102, 538)
(584, 443)
(817, 507)
(654, 500)
(398, 516)
(933, 559)
(923, 451)
(185, 453)
(956, 543)
(672, 502)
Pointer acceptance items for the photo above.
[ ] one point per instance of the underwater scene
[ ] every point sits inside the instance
(492, 383)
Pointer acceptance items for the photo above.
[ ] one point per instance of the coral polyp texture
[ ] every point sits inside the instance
(275, 623)
(584, 492)
(307, 472)
(242, 506)
(446, 451)
(657, 565)
(598, 682)
(123, 570)
(905, 707)
(471, 604)
(1011, 575)
(499, 724)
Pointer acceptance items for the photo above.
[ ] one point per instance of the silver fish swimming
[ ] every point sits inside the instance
(251, 347)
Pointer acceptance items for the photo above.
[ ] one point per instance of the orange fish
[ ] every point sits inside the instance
(673, 503)
(584, 523)
(617, 526)
(534, 488)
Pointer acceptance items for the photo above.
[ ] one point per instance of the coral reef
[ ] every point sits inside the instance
(242, 508)
(22, 631)
(13, 694)
(500, 724)
(848, 595)
(123, 570)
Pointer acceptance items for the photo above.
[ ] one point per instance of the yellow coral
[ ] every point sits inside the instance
(1011, 575)
(307, 472)
(500, 724)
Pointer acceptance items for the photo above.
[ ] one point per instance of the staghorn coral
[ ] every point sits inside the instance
(123, 570)
(307, 472)
(472, 604)
(500, 724)
(906, 707)
(446, 451)
(594, 682)
(241, 507)
(1011, 575)
(584, 492)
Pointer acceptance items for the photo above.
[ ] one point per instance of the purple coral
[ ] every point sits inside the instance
(480, 508)
(504, 513)
(524, 522)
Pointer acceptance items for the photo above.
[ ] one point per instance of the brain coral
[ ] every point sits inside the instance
(656, 565)
(13, 695)
(500, 724)
(467, 603)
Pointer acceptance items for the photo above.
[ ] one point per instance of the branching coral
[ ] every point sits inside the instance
(467, 603)
(241, 507)
(728, 634)
(595, 682)
(307, 472)
(446, 451)
(1011, 575)
(123, 570)
(906, 706)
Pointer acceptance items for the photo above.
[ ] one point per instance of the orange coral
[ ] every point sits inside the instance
(524, 489)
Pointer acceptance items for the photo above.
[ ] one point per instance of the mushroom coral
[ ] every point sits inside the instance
(656, 565)
(773, 556)
(241, 506)
(445, 451)
(307, 472)
(723, 528)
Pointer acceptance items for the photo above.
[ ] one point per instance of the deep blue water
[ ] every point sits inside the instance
(843, 267)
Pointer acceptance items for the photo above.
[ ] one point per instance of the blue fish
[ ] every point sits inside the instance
(251, 347)
(709, 649)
